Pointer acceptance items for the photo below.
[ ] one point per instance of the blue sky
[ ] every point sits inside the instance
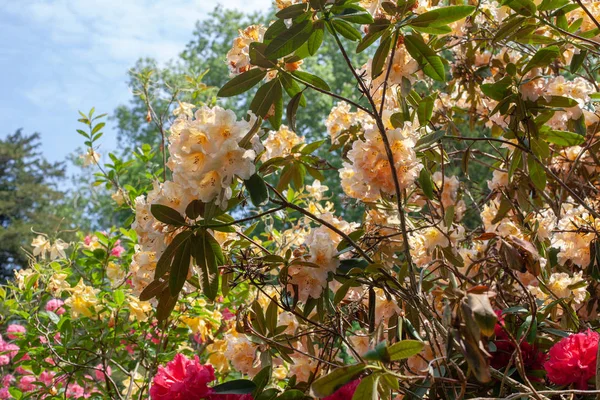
(61, 56)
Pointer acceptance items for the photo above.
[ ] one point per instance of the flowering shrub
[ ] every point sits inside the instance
(239, 279)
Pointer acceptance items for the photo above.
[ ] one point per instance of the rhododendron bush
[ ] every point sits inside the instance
(238, 278)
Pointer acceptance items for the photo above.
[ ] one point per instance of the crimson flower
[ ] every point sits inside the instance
(573, 359)
(182, 379)
(345, 392)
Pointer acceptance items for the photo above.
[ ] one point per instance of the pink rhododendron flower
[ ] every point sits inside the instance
(26, 383)
(182, 379)
(227, 315)
(573, 359)
(7, 380)
(99, 373)
(47, 377)
(117, 250)
(7, 351)
(15, 331)
(75, 391)
(55, 305)
(345, 392)
(4, 393)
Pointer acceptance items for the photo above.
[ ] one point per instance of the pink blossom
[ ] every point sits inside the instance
(8, 380)
(15, 331)
(117, 249)
(26, 383)
(7, 352)
(345, 392)
(75, 391)
(573, 359)
(182, 379)
(55, 305)
(88, 240)
(227, 315)
(4, 393)
(47, 377)
(99, 372)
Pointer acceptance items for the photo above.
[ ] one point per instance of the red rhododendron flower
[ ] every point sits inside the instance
(182, 379)
(573, 359)
(345, 392)
(230, 397)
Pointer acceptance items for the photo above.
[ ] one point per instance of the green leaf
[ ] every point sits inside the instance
(242, 83)
(206, 260)
(292, 394)
(337, 378)
(425, 110)
(164, 263)
(557, 101)
(426, 183)
(290, 40)
(497, 90)
(562, 138)
(356, 16)
(420, 51)
(312, 79)
(316, 38)
(442, 16)
(433, 30)
(536, 173)
(405, 349)
(179, 268)
(523, 7)
(368, 40)
(292, 11)
(547, 5)
(346, 29)
(238, 386)
(195, 209)
(381, 54)
(119, 297)
(257, 188)
(542, 58)
(367, 388)
(292, 109)
(167, 215)
(257, 56)
(577, 61)
(265, 97)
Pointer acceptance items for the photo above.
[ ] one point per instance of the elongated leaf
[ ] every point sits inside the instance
(426, 183)
(431, 62)
(288, 41)
(367, 388)
(242, 83)
(523, 7)
(195, 209)
(381, 54)
(239, 386)
(536, 173)
(312, 79)
(442, 16)
(356, 16)
(179, 269)
(292, 11)
(346, 30)
(316, 38)
(265, 97)
(425, 110)
(257, 188)
(562, 138)
(292, 109)
(207, 263)
(405, 349)
(329, 383)
(164, 263)
(542, 58)
(167, 215)
(166, 304)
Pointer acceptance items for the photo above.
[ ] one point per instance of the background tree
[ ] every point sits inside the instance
(29, 198)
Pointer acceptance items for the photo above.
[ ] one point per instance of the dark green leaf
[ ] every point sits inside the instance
(431, 62)
(312, 79)
(164, 263)
(167, 215)
(242, 83)
(542, 58)
(426, 183)
(288, 41)
(257, 188)
(329, 383)
(265, 97)
(562, 138)
(442, 16)
(346, 29)
(179, 269)
(239, 386)
(316, 38)
(381, 54)
(203, 253)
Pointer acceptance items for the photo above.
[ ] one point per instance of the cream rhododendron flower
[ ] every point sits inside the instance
(90, 158)
(280, 143)
(562, 286)
(238, 58)
(138, 310)
(82, 300)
